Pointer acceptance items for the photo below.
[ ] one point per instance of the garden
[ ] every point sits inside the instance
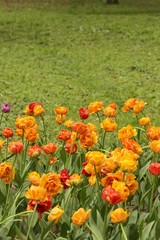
(79, 120)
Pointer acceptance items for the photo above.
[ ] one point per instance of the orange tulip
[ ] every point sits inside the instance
(7, 132)
(31, 134)
(138, 107)
(7, 173)
(119, 215)
(34, 178)
(16, 147)
(80, 216)
(51, 182)
(122, 189)
(109, 125)
(132, 145)
(144, 121)
(61, 110)
(38, 110)
(129, 104)
(49, 148)
(96, 158)
(153, 133)
(95, 107)
(36, 193)
(60, 119)
(155, 146)
(55, 214)
(127, 132)
(64, 135)
(34, 151)
(110, 110)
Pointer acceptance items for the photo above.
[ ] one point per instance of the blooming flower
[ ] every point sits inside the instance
(38, 110)
(31, 134)
(52, 183)
(7, 172)
(80, 216)
(5, 108)
(34, 108)
(36, 193)
(122, 189)
(79, 127)
(129, 104)
(95, 107)
(64, 177)
(64, 135)
(25, 122)
(154, 169)
(55, 214)
(42, 205)
(153, 133)
(138, 107)
(110, 110)
(132, 145)
(60, 119)
(75, 179)
(7, 132)
(155, 146)
(119, 215)
(49, 148)
(109, 125)
(131, 183)
(83, 113)
(127, 132)
(61, 110)
(96, 158)
(110, 195)
(16, 147)
(34, 178)
(144, 121)
(34, 151)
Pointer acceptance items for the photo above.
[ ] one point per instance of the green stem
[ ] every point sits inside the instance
(94, 233)
(15, 215)
(103, 139)
(30, 225)
(152, 193)
(99, 117)
(123, 232)
(106, 219)
(44, 128)
(1, 119)
(6, 150)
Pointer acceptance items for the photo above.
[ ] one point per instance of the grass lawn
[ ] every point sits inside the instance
(78, 52)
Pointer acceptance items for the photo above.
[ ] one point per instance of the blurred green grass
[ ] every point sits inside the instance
(77, 52)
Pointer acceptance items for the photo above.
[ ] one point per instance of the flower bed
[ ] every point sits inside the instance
(92, 181)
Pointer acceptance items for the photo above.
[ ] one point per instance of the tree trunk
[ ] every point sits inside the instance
(112, 1)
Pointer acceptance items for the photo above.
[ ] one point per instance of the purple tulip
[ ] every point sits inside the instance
(6, 108)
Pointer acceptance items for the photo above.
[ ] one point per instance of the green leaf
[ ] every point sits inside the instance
(133, 232)
(19, 233)
(46, 229)
(133, 218)
(143, 170)
(95, 229)
(82, 236)
(146, 231)
(61, 238)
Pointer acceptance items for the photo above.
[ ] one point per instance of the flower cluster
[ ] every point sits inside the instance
(84, 178)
